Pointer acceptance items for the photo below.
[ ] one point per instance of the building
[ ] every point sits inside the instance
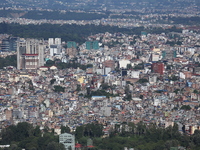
(158, 68)
(68, 140)
(9, 44)
(170, 54)
(123, 63)
(71, 52)
(55, 46)
(55, 50)
(109, 64)
(71, 44)
(56, 41)
(92, 45)
(30, 53)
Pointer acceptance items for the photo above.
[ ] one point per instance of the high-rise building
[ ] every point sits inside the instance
(92, 45)
(9, 44)
(56, 41)
(71, 49)
(30, 53)
(68, 140)
(71, 44)
(55, 46)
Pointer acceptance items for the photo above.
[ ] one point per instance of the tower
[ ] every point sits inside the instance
(30, 53)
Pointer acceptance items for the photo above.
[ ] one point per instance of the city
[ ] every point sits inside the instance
(111, 79)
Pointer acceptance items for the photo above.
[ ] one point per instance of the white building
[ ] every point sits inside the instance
(68, 140)
(123, 63)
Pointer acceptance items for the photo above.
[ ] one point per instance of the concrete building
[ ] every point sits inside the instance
(55, 50)
(123, 63)
(30, 53)
(92, 45)
(9, 44)
(68, 140)
(55, 46)
(71, 44)
(56, 41)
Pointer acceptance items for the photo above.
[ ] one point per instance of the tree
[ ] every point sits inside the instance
(78, 88)
(23, 130)
(37, 131)
(186, 107)
(79, 132)
(65, 129)
(104, 86)
(52, 81)
(55, 146)
(196, 137)
(49, 63)
(142, 80)
(58, 88)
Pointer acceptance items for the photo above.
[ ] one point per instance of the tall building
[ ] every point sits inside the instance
(68, 140)
(56, 41)
(55, 46)
(30, 53)
(158, 68)
(9, 44)
(92, 45)
(71, 49)
(71, 44)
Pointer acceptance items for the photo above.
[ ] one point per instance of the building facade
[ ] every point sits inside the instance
(92, 45)
(68, 140)
(30, 53)
(9, 44)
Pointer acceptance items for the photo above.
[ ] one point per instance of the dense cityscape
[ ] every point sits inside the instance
(113, 90)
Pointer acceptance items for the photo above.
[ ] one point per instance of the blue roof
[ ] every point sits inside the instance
(186, 101)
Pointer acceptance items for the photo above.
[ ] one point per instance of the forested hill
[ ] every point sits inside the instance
(66, 32)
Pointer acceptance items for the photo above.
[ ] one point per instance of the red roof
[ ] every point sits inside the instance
(90, 146)
(77, 145)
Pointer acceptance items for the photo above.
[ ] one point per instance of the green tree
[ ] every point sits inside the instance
(52, 81)
(142, 81)
(58, 88)
(186, 107)
(65, 129)
(55, 146)
(78, 88)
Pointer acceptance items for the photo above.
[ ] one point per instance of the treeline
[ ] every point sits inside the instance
(8, 13)
(8, 61)
(144, 137)
(25, 136)
(74, 32)
(138, 136)
(185, 20)
(53, 15)
(57, 15)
